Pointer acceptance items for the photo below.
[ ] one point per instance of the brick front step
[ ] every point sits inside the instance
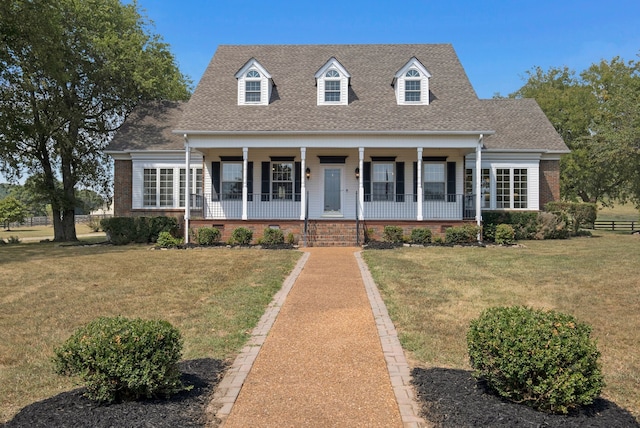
(331, 234)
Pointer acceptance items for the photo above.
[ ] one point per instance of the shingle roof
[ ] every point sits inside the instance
(150, 126)
(521, 124)
(372, 103)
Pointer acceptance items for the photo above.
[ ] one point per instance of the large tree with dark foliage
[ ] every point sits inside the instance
(598, 115)
(70, 73)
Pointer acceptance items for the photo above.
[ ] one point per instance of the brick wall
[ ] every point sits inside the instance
(122, 188)
(549, 181)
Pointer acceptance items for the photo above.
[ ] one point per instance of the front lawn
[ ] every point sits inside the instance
(433, 293)
(213, 296)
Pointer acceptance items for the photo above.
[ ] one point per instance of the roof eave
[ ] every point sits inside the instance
(309, 132)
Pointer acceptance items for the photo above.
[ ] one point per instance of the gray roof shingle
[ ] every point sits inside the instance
(372, 103)
(519, 124)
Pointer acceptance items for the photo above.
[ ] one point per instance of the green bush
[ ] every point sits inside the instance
(123, 359)
(272, 236)
(524, 223)
(465, 234)
(241, 236)
(545, 360)
(291, 238)
(392, 234)
(208, 235)
(125, 230)
(167, 240)
(505, 235)
(421, 235)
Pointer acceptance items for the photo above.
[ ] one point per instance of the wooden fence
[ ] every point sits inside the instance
(46, 221)
(625, 225)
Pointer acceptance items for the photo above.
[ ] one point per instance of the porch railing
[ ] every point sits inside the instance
(405, 207)
(287, 207)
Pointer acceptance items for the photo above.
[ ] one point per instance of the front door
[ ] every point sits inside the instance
(332, 191)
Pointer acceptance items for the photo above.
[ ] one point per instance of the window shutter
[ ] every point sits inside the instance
(415, 182)
(215, 181)
(298, 181)
(250, 181)
(366, 180)
(451, 181)
(266, 180)
(399, 181)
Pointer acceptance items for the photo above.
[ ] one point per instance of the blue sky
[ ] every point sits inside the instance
(497, 41)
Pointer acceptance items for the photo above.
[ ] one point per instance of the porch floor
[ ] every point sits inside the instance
(331, 358)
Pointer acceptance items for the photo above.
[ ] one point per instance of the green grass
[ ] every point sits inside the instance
(433, 293)
(30, 233)
(213, 296)
(619, 212)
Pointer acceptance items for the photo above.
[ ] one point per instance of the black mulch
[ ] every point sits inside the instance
(453, 398)
(186, 409)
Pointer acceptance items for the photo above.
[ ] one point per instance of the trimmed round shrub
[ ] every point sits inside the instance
(123, 359)
(392, 234)
(421, 235)
(505, 235)
(241, 236)
(272, 236)
(208, 235)
(544, 359)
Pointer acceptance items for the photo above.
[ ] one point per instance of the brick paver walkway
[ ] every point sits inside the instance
(325, 354)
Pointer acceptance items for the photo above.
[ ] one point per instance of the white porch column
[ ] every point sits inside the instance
(303, 183)
(420, 194)
(245, 191)
(360, 212)
(187, 190)
(479, 185)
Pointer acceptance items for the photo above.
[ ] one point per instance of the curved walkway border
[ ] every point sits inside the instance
(399, 373)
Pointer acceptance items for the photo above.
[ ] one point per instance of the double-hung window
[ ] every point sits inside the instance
(195, 182)
(512, 188)
(231, 181)
(282, 180)
(434, 176)
(252, 87)
(332, 86)
(520, 188)
(470, 186)
(150, 187)
(383, 181)
(503, 188)
(412, 86)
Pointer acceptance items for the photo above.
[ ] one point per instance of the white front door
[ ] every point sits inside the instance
(332, 194)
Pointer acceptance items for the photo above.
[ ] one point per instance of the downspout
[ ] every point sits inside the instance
(187, 190)
(479, 186)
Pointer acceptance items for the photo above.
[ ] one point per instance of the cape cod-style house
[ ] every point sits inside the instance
(329, 141)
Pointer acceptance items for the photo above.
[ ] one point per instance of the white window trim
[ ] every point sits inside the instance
(137, 196)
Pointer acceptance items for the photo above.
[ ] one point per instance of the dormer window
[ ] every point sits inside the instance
(252, 87)
(332, 81)
(332, 86)
(254, 84)
(411, 84)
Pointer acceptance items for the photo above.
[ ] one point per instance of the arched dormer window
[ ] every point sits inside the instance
(254, 84)
(411, 84)
(332, 86)
(332, 81)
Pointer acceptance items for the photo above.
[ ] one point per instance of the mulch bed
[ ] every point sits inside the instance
(453, 398)
(186, 409)
(450, 398)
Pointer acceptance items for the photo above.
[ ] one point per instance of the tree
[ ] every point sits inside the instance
(11, 211)
(70, 73)
(596, 114)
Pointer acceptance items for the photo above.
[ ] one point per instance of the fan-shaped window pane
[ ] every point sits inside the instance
(332, 73)
(412, 73)
(253, 74)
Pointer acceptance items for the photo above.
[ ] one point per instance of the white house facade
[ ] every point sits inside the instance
(327, 141)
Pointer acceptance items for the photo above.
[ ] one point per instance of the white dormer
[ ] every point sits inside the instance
(332, 81)
(254, 84)
(411, 84)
